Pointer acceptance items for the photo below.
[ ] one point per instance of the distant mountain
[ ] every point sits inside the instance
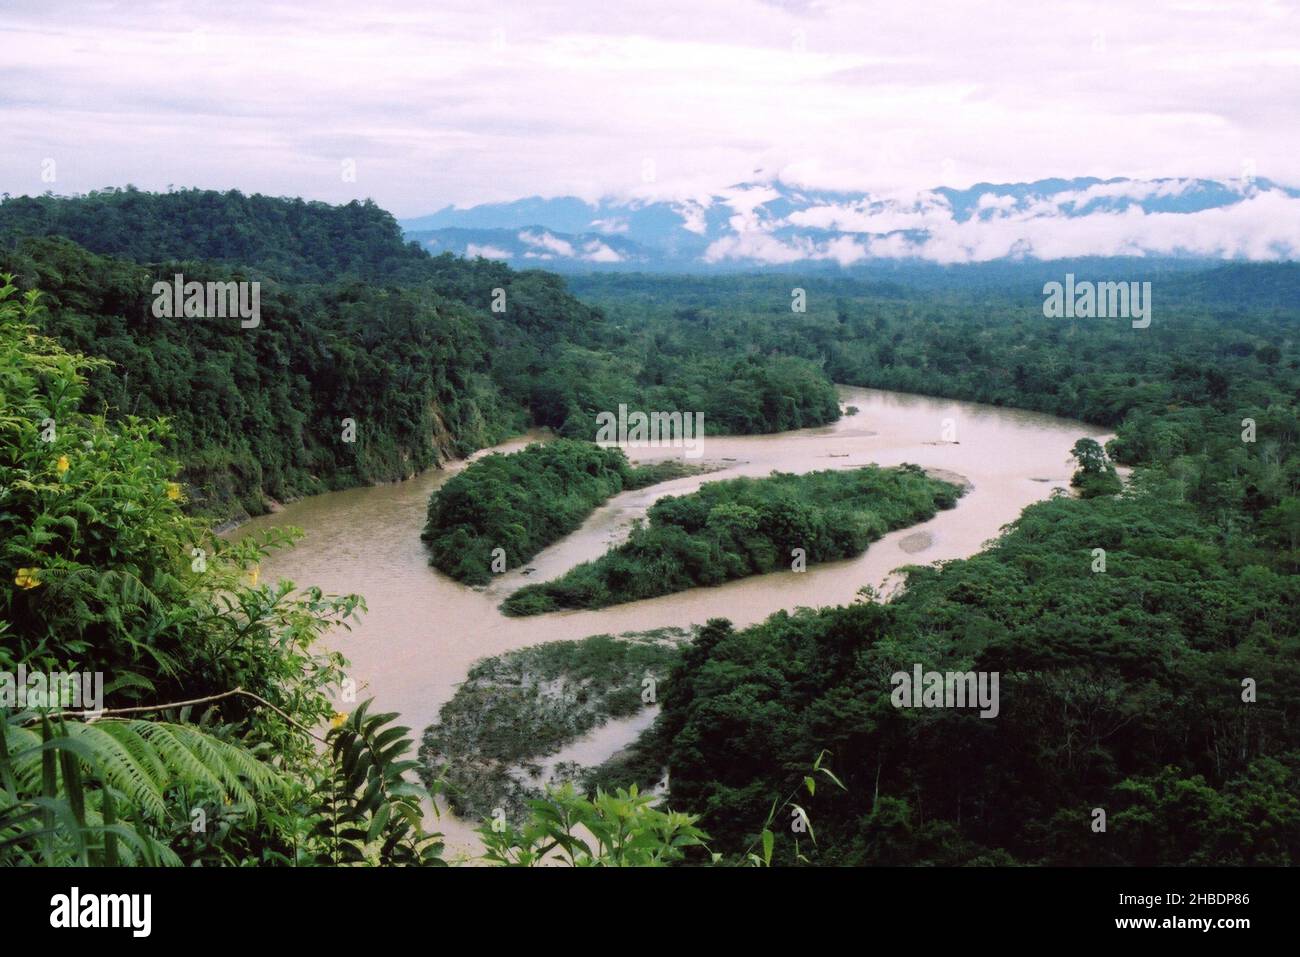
(534, 245)
(774, 224)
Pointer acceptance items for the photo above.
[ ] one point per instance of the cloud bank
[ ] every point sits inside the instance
(1261, 222)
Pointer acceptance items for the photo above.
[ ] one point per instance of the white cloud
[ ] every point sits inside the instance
(544, 240)
(692, 214)
(597, 252)
(1264, 225)
(487, 252)
(996, 203)
(757, 246)
(878, 215)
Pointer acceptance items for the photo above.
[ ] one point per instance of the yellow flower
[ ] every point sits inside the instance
(62, 465)
(338, 719)
(173, 490)
(27, 578)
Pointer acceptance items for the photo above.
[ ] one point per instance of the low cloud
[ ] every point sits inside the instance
(545, 241)
(487, 252)
(597, 252)
(1263, 224)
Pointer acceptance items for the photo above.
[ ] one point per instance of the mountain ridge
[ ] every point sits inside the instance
(768, 222)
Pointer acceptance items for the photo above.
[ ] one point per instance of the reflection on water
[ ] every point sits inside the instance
(424, 630)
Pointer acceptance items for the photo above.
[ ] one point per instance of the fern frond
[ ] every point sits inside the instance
(137, 763)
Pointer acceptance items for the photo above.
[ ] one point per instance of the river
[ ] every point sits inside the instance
(423, 630)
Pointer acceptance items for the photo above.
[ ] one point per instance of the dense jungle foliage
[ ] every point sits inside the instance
(1159, 686)
(284, 238)
(1120, 690)
(206, 755)
(264, 413)
(744, 526)
(1209, 329)
(372, 359)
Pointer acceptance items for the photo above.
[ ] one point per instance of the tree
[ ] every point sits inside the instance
(1090, 456)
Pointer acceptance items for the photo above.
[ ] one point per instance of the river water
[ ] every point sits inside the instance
(423, 630)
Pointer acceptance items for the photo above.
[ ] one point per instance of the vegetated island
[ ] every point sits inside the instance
(527, 500)
(514, 710)
(745, 526)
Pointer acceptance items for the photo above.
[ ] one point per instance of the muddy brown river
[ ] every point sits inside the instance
(423, 630)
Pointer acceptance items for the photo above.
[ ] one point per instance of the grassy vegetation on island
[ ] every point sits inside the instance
(739, 527)
(517, 708)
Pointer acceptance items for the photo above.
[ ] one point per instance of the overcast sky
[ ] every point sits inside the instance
(443, 101)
